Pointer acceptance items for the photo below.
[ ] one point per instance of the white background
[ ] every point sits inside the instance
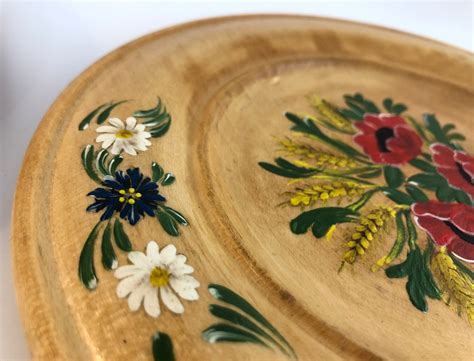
(44, 45)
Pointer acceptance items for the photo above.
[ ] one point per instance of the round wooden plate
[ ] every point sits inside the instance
(226, 86)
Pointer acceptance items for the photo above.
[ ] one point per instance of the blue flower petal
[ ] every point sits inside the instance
(97, 206)
(102, 193)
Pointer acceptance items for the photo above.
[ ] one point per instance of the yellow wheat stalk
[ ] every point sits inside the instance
(319, 158)
(457, 286)
(327, 191)
(330, 113)
(368, 229)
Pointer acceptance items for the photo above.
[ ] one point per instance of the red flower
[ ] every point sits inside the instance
(387, 139)
(448, 224)
(456, 166)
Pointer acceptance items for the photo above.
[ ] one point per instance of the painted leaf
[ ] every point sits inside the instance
(309, 127)
(222, 332)
(236, 318)
(160, 130)
(121, 238)
(397, 196)
(287, 169)
(87, 273)
(168, 179)
(106, 112)
(226, 295)
(87, 157)
(157, 172)
(86, 121)
(423, 165)
(150, 112)
(322, 219)
(178, 217)
(162, 347)
(167, 222)
(100, 161)
(393, 176)
(416, 193)
(428, 181)
(114, 163)
(109, 258)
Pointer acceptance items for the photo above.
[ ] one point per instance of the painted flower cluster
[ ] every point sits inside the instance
(344, 160)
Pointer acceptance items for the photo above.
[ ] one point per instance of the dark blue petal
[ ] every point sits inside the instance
(148, 208)
(123, 179)
(97, 206)
(108, 212)
(113, 183)
(153, 197)
(124, 211)
(102, 193)
(148, 186)
(135, 177)
(133, 216)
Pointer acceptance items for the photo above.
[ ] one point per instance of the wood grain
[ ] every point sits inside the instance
(227, 82)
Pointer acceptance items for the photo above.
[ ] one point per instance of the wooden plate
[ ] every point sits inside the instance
(225, 86)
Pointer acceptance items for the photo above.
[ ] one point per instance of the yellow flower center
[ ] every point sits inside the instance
(130, 196)
(124, 134)
(159, 277)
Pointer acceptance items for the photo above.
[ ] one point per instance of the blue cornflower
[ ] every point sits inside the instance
(131, 194)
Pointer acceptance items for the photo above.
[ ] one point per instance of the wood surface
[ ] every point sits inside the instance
(226, 82)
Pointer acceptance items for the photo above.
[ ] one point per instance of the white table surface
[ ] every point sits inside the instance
(43, 46)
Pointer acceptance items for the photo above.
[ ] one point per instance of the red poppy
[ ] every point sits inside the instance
(448, 224)
(456, 166)
(387, 139)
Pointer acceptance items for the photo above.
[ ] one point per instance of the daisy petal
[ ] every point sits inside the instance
(139, 259)
(117, 147)
(126, 271)
(136, 296)
(168, 254)
(179, 270)
(127, 147)
(151, 303)
(140, 128)
(185, 287)
(131, 121)
(117, 123)
(106, 129)
(171, 300)
(127, 285)
(153, 252)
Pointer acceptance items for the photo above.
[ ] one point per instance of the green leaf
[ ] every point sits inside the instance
(167, 222)
(387, 103)
(178, 217)
(87, 157)
(420, 280)
(106, 112)
(222, 332)
(168, 179)
(360, 105)
(153, 122)
(237, 319)
(162, 347)
(226, 295)
(371, 174)
(85, 122)
(397, 196)
(399, 108)
(399, 243)
(150, 112)
(322, 219)
(295, 172)
(121, 238)
(114, 163)
(416, 193)
(100, 162)
(109, 259)
(428, 181)
(462, 197)
(87, 273)
(160, 130)
(393, 176)
(423, 165)
(307, 126)
(157, 172)
(445, 193)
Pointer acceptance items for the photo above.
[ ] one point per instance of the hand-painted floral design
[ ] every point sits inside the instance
(336, 186)
(128, 137)
(387, 139)
(156, 272)
(456, 166)
(448, 224)
(128, 193)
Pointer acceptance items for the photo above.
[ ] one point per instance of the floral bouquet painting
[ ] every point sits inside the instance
(341, 158)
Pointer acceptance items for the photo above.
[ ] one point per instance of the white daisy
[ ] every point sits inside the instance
(128, 137)
(165, 272)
